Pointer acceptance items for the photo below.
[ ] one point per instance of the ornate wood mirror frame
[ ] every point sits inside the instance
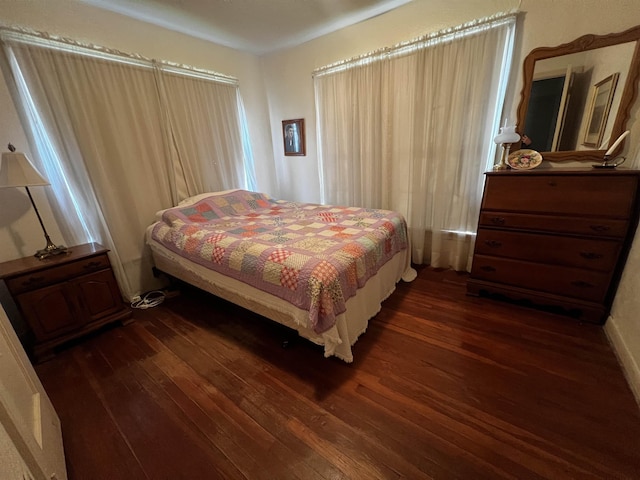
(629, 89)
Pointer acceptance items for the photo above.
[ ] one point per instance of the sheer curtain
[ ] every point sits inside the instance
(114, 152)
(411, 130)
(352, 127)
(206, 126)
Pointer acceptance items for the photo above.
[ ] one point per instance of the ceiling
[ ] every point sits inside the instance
(256, 26)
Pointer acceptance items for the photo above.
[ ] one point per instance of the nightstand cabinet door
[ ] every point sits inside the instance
(97, 294)
(50, 311)
(556, 238)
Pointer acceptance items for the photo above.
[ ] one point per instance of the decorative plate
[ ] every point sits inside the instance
(524, 159)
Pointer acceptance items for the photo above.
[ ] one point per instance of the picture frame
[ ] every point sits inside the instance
(598, 113)
(293, 137)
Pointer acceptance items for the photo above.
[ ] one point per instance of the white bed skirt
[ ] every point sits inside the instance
(336, 341)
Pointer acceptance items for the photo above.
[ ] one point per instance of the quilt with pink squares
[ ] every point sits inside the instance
(313, 256)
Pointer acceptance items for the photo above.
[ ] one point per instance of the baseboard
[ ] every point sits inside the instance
(629, 364)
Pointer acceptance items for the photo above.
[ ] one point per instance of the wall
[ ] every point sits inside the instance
(20, 233)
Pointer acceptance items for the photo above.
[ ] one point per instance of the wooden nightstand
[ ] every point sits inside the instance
(65, 296)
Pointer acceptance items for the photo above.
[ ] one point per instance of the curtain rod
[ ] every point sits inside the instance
(423, 41)
(47, 40)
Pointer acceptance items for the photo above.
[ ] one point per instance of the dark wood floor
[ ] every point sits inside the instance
(442, 386)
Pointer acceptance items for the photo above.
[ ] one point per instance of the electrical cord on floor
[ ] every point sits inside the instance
(148, 300)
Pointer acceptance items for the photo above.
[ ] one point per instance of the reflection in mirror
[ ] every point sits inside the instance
(577, 97)
(563, 98)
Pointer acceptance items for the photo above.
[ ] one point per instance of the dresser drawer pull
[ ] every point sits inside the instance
(497, 220)
(600, 228)
(92, 265)
(582, 284)
(493, 243)
(488, 268)
(32, 281)
(591, 255)
(553, 184)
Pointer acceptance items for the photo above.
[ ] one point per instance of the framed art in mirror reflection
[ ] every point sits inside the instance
(598, 113)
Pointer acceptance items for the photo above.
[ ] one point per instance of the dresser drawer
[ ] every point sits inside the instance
(59, 273)
(592, 254)
(593, 195)
(597, 227)
(563, 281)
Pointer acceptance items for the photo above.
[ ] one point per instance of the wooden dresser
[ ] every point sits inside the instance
(556, 238)
(65, 296)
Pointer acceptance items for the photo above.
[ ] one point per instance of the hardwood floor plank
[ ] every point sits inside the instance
(90, 436)
(178, 400)
(149, 421)
(246, 443)
(369, 422)
(247, 395)
(510, 395)
(442, 386)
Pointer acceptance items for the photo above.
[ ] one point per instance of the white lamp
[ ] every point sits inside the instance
(506, 137)
(17, 171)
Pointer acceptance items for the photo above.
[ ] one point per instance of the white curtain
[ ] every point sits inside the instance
(411, 130)
(351, 129)
(206, 126)
(119, 140)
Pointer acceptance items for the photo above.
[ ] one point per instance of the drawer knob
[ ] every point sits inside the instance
(32, 281)
(488, 268)
(497, 220)
(92, 265)
(493, 243)
(600, 228)
(553, 184)
(582, 284)
(591, 255)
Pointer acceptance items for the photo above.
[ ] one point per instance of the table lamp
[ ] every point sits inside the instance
(506, 137)
(17, 171)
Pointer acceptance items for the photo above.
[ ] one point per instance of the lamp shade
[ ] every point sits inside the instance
(17, 171)
(507, 135)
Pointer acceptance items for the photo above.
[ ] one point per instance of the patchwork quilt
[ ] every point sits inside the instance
(313, 256)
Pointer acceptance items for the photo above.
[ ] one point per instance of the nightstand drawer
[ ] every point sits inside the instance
(55, 274)
(564, 281)
(597, 227)
(592, 254)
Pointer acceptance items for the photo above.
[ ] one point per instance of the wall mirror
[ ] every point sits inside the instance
(576, 98)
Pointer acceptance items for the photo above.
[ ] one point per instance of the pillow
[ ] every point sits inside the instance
(195, 199)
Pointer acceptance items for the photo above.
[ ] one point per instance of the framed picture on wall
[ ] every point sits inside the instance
(293, 136)
(601, 100)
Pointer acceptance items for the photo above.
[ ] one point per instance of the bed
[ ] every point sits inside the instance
(321, 270)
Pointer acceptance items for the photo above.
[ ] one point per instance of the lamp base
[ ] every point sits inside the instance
(49, 251)
(503, 165)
